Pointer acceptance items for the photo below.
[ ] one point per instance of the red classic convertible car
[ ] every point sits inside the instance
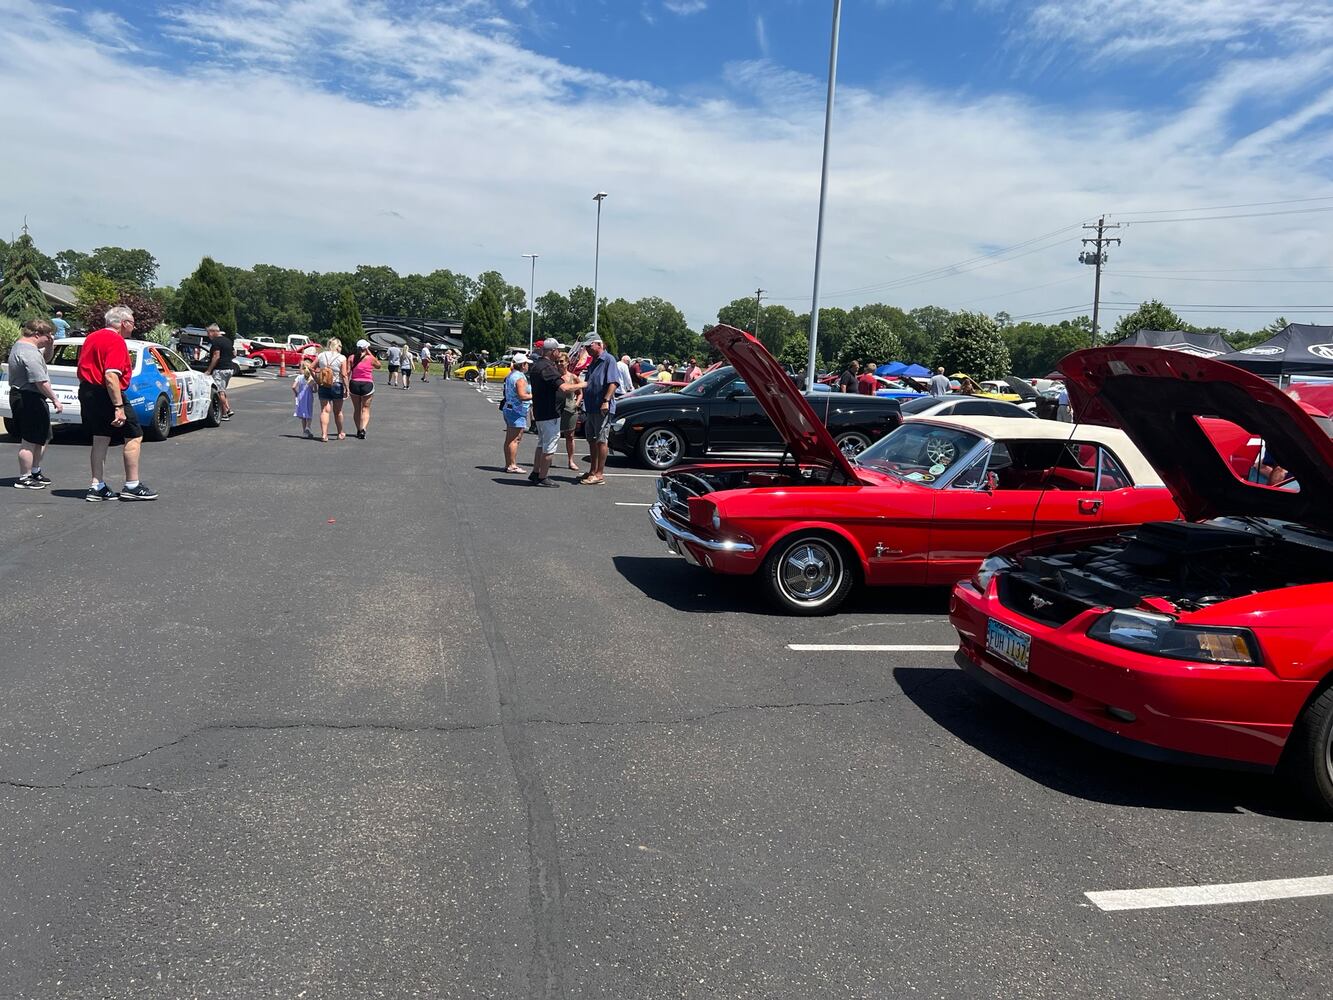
(921, 506)
(276, 355)
(1207, 640)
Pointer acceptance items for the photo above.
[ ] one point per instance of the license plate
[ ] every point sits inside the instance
(1008, 644)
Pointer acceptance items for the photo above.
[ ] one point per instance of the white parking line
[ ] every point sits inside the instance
(632, 475)
(1212, 895)
(621, 503)
(868, 648)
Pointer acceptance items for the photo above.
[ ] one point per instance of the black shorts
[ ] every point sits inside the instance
(31, 416)
(97, 412)
(359, 387)
(393, 369)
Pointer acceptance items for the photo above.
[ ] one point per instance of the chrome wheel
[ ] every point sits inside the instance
(661, 448)
(810, 571)
(852, 444)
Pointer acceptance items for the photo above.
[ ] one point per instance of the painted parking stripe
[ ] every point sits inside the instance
(1212, 895)
(621, 503)
(868, 648)
(632, 475)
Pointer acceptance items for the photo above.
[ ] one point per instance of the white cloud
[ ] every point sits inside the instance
(470, 160)
(685, 7)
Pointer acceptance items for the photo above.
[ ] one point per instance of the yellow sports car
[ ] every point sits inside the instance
(497, 372)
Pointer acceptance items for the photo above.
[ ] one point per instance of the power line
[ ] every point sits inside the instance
(1097, 257)
(1220, 208)
(1243, 215)
(1150, 276)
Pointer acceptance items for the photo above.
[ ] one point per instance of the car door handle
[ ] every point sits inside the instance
(1089, 506)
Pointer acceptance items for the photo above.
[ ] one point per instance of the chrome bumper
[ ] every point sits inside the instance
(673, 534)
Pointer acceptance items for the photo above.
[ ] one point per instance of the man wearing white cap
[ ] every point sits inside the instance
(599, 407)
(544, 382)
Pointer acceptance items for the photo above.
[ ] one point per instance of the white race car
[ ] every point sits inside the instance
(164, 391)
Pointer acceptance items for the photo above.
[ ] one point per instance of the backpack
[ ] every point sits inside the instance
(325, 376)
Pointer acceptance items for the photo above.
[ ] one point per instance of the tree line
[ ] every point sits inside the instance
(267, 300)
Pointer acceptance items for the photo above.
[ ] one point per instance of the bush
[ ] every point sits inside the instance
(871, 341)
(160, 334)
(9, 332)
(975, 347)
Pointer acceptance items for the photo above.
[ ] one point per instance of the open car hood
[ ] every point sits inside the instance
(807, 437)
(1157, 396)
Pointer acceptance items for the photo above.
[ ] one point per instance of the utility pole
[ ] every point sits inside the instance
(1097, 258)
(758, 297)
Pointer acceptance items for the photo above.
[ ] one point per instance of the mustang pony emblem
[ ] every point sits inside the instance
(1039, 602)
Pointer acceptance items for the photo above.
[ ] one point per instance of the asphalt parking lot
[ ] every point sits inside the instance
(374, 719)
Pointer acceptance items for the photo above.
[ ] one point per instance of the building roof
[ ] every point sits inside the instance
(58, 295)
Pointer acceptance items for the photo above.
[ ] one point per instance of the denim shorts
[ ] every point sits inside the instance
(331, 392)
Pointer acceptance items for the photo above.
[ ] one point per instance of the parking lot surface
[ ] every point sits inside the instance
(375, 719)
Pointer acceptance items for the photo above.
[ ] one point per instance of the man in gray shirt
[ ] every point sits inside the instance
(29, 393)
(939, 383)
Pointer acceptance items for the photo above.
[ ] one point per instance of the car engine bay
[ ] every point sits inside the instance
(1191, 566)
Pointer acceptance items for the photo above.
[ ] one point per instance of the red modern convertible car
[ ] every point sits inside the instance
(1207, 640)
(921, 506)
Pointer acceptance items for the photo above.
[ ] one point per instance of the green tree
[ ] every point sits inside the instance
(975, 347)
(347, 320)
(484, 325)
(1036, 348)
(20, 296)
(205, 297)
(796, 351)
(1152, 315)
(129, 269)
(72, 264)
(870, 341)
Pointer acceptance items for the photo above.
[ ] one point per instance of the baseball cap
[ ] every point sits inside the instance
(551, 344)
(521, 358)
(593, 338)
(363, 343)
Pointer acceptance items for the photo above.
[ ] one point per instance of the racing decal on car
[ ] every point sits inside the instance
(180, 394)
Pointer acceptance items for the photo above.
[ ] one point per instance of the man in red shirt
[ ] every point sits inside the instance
(866, 382)
(104, 369)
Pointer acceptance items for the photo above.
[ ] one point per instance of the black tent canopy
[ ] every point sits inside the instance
(1201, 345)
(1300, 349)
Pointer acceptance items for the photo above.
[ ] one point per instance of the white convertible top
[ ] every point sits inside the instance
(1013, 429)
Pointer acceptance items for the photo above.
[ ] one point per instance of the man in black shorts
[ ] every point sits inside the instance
(220, 366)
(105, 370)
(29, 394)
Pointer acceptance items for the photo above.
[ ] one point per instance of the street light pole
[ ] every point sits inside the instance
(823, 194)
(596, 258)
(532, 303)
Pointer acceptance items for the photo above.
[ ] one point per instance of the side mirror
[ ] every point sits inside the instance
(992, 482)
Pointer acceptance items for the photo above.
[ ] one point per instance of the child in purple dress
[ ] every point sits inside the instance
(303, 388)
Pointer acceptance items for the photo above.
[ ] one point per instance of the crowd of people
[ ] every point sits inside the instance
(548, 393)
(104, 371)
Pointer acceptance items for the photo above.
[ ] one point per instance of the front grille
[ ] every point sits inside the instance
(674, 491)
(1037, 600)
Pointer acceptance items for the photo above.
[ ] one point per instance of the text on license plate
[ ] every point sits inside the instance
(1008, 644)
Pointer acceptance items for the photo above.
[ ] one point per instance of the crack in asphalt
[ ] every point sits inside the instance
(69, 783)
(546, 880)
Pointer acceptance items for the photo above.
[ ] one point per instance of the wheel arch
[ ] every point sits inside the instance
(825, 529)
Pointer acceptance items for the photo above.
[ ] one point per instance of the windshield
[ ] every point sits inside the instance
(706, 385)
(919, 453)
(921, 404)
(66, 355)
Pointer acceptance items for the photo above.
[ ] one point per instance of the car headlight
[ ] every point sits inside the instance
(717, 519)
(1161, 635)
(619, 425)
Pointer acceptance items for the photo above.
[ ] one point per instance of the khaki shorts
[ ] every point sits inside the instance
(597, 427)
(548, 435)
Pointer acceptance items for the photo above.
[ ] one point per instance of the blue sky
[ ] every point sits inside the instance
(462, 133)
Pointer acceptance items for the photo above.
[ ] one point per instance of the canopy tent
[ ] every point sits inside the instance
(915, 371)
(1201, 345)
(1300, 349)
(892, 368)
